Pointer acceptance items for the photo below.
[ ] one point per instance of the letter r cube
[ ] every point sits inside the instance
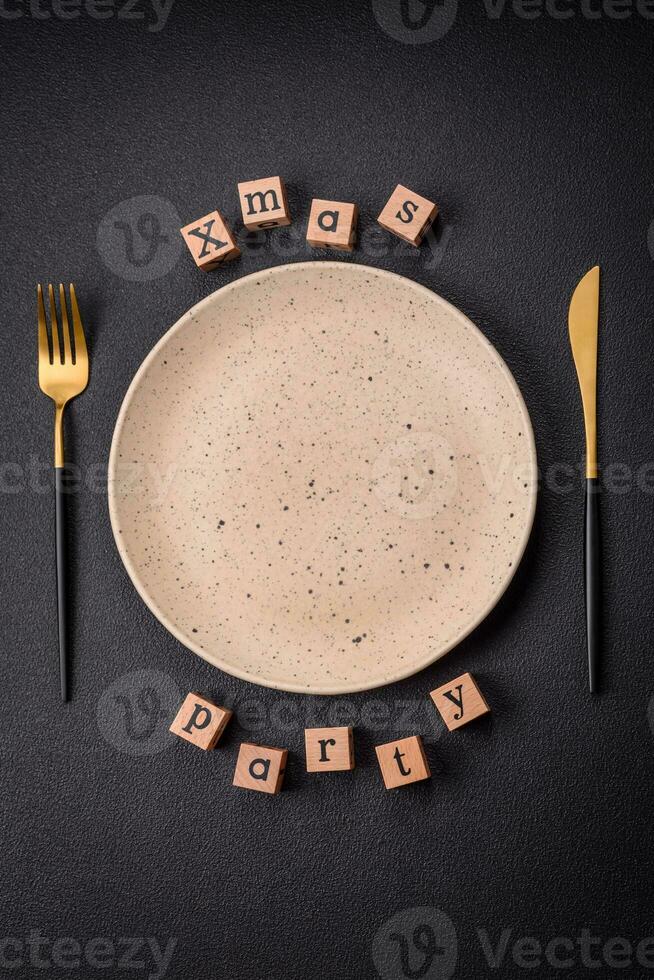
(329, 749)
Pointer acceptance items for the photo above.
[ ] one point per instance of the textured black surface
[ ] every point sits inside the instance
(534, 135)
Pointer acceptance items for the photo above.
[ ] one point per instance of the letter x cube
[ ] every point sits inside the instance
(210, 241)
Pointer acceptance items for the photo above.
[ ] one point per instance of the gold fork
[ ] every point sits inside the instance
(63, 374)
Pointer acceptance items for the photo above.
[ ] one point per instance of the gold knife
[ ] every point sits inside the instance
(583, 321)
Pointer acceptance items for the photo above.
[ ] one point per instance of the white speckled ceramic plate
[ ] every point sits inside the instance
(322, 478)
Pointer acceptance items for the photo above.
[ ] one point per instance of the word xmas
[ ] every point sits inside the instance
(262, 768)
(332, 224)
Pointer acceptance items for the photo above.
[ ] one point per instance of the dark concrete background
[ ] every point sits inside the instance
(535, 136)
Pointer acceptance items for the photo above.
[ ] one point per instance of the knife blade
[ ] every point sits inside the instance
(583, 326)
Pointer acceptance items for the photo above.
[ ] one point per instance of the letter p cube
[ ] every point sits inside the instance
(200, 721)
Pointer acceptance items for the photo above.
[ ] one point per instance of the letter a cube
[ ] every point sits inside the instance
(260, 767)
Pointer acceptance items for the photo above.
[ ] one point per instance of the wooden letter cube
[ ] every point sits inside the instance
(407, 215)
(460, 701)
(200, 721)
(263, 203)
(260, 767)
(329, 749)
(332, 224)
(210, 241)
(403, 762)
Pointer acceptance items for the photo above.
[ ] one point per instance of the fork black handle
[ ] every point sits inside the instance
(60, 544)
(593, 582)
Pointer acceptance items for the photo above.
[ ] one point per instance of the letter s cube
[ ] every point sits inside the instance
(407, 215)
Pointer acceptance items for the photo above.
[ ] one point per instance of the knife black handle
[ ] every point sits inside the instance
(593, 582)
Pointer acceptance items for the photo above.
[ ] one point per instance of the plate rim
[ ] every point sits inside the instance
(187, 642)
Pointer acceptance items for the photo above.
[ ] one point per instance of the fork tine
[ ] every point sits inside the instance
(65, 328)
(78, 330)
(44, 347)
(53, 326)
